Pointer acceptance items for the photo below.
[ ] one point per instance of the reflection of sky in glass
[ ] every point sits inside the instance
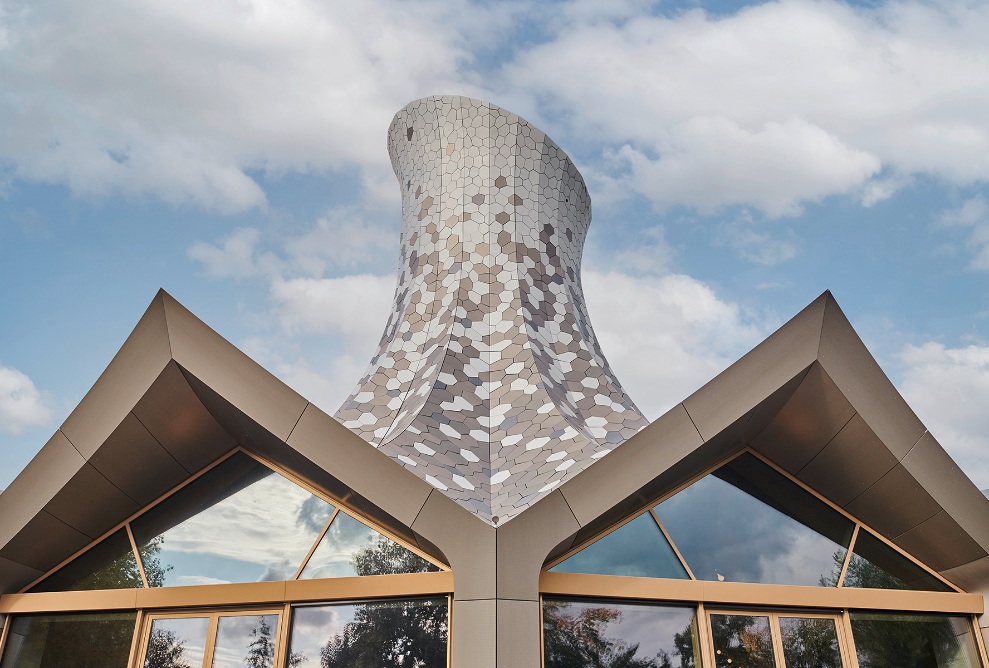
(637, 548)
(652, 627)
(313, 627)
(189, 633)
(721, 530)
(334, 557)
(262, 532)
(235, 642)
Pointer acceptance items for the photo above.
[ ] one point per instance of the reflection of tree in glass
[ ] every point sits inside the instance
(577, 640)
(386, 557)
(905, 641)
(741, 640)
(390, 634)
(863, 573)
(154, 570)
(809, 643)
(93, 640)
(261, 650)
(122, 573)
(165, 650)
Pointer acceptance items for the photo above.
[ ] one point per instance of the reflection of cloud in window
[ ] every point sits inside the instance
(260, 533)
(721, 530)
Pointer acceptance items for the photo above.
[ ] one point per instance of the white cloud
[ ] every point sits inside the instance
(762, 247)
(341, 240)
(973, 215)
(947, 387)
(778, 104)
(355, 307)
(232, 258)
(22, 405)
(665, 336)
(181, 99)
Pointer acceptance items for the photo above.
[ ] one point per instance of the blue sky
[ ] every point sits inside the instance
(742, 158)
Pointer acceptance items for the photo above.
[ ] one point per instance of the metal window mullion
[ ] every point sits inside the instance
(137, 641)
(282, 636)
(776, 638)
(705, 637)
(319, 538)
(848, 555)
(211, 630)
(137, 556)
(683, 562)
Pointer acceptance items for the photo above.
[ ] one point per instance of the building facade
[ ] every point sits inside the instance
(489, 495)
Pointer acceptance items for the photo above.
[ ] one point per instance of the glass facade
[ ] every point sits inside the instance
(378, 634)
(892, 640)
(876, 565)
(611, 633)
(90, 640)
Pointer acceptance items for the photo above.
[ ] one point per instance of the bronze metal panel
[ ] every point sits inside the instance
(524, 543)
(44, 542)
(59, 601)
(895, 504)
(213, 595)
(136, 463)
(131, 372)
(37, 484)
(961, 499)
(359, 466)
(940, 543)
(744, 594)
(468, 543)
(473, 634)
(519, 638)
(813, 415)
(857, 374)
(15, 576)
(850, 464)
(759, 373)
(631, 466)
(370, 586)
(231, 373)
(972, 577)
(91, 504)
(175, 416)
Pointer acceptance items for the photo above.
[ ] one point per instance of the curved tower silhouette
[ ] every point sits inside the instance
(488, 381)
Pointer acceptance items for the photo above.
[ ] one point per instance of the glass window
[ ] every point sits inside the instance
(239, 522)
(637, 548)
(97, 640)
(245, 641)
(607, 633)
(742, 641)
(876, 565)
(383, 634)
(110, 564)
(747, 522)
(351, 548)
(884, 640)
(810, 642)
(177, 643)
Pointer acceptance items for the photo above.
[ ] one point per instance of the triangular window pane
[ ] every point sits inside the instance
(637, 549)
(352, 548)
(876, 565)
(747, 522)
(110, 564)
(239, 522)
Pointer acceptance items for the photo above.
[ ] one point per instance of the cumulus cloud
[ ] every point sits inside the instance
(666, 335)
(355, 306)
(947, 387)
(972, 216)
(22, 405)
(776, 105)
(233, 257)
(182, 100)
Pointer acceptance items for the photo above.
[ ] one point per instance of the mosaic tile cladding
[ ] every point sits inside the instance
(488, 382)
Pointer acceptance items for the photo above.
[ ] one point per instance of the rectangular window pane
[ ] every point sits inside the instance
(382, 634)
(810, 642)
(246, 641)
(98, 640)
(742, 640)
(177, 643)
(607, 633)
(884, 640)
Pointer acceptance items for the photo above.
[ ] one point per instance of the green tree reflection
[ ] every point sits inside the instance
(577, 639)
(165, 650)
